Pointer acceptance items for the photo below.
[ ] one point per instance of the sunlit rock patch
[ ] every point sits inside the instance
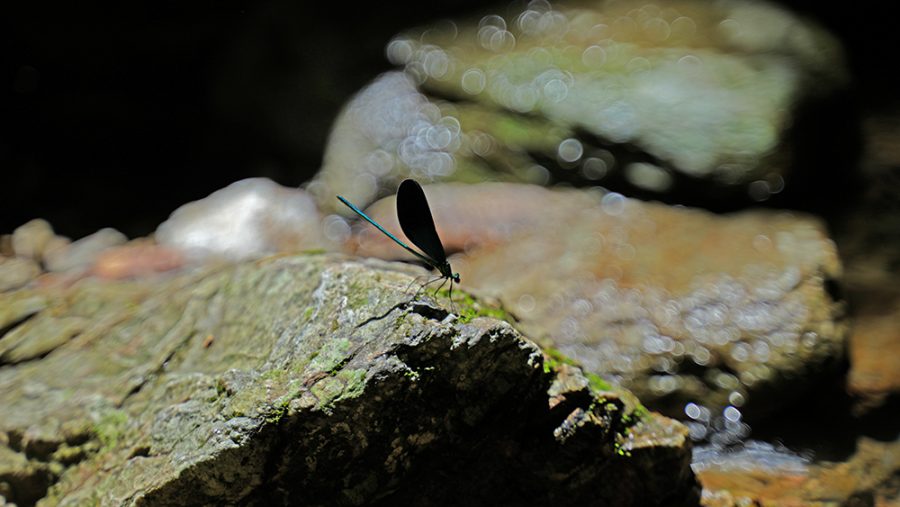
(658, 97)
(247, 219)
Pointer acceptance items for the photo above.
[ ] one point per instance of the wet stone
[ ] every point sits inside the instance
(863, 479)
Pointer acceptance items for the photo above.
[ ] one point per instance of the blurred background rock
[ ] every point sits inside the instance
(119, 115)
(113, 117)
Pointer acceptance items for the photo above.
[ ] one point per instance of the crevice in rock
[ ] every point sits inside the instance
(141, 451)
(26, 489)
(14, 439)
(5, 360)
(4, 330)
(382, 316)
(834, 290)
(423, 309)
(428, 311)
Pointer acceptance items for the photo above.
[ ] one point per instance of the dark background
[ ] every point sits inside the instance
(115, 116)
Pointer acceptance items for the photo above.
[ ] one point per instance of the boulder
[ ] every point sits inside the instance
(713, 104)
(310, 380)
(708, 317)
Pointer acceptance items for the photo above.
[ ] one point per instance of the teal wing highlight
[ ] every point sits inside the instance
(430, 262)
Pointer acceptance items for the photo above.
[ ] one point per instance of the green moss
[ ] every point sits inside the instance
(279, 410)
(469, 308)
(399, 321)
(327, 390)
(273, 375)
(597, 383)
(331, 356)
(633, 411)
(358, 294)
(620, 450)
(307, 313)
(354, 382)
(345, 384)
(111, 427)
(636, 415)
(554, 358)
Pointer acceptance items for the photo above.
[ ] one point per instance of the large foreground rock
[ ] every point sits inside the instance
(311, 380)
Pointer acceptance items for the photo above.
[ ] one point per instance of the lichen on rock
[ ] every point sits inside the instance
(309, 380)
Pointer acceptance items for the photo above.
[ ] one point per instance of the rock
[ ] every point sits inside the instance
(864, 479)
(31, 479)
(679, 305)
(56, 247)
(868, 236)
(140, 258)
(37, 338)
(30, 239)
(246, 219)
(873, 346)
(391, 131)
(466, 217)
(313, 380)
(17, 308)
(6, 247)
(81, 254)
(709, 101)
(17, 272)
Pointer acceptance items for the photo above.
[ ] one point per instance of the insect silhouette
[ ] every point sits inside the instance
(415, 219)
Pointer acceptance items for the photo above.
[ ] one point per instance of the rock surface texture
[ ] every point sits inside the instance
(309, 380)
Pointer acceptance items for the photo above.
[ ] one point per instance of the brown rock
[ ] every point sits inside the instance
(868, 236)
(866, 475)
(466, 217)
(677, 304)
(137, 259)
(874, 347)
